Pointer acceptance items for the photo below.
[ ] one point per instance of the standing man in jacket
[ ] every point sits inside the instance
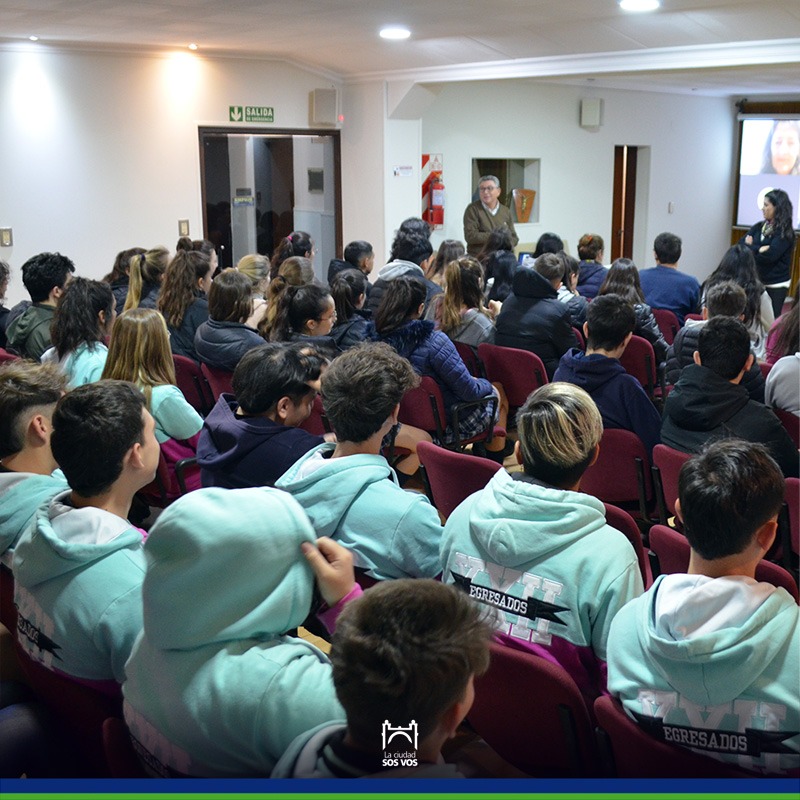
(486, 214)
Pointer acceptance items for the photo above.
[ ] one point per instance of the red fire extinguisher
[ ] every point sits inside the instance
(434, 214)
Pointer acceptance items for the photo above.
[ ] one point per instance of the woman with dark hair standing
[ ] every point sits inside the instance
(772, 243)
(225, 337)
(739, 266)
(499, 263)
(623, 279)
(82, 321)
(349, 292)
(398, 323)
(183, 301)
(297, 243)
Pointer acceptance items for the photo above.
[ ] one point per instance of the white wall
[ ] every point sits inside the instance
(690, 140)
(99, 151)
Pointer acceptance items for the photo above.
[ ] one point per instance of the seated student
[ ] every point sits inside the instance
(357, 255)
(224, 337)
(28, 396)
(83, 320)
(407, 652)
(619, 397)
(45, 277)
(724, 299)
(348, 489)
(461, 312)
(781, 390)
(145, 273)
(664, 286)
(558, 572)
(568, 291)
(79, 569)
(592, 273)
(256, 268)
(251, 438)
(708, 402)
(532, 317)
(710, 659)
(218, 689)
(349, 292)
(5, 276)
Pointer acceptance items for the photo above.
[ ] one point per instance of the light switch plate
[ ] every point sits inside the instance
(6, 237)
(183, 227)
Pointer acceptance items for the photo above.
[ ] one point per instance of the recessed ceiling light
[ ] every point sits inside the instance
(193, 46)
(34, 38)
(639, 5)
(395, 33)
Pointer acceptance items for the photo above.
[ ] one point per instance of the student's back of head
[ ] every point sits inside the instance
(406, 650)
(230, 298)
(94, 426)
(44, 272)
(267, 373)
(411, 247)
(724, 346)
(357, 253)
(548, 243)
(348, 289)
(726, 299)
(726, 494)
(145, 268)
(609, 319)
(83, 315)
(559, 430)
(667, 247)
(550, 267)
(362, 387)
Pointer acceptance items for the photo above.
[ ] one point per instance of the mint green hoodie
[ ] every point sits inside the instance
(713, 663)
(21, 494)
(78, 574)
(214, 688)
(355, 500)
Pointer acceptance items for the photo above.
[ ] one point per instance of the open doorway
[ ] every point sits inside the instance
(258, 186)
(623, 213)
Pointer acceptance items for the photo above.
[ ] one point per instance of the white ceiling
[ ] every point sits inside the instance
(710, 46)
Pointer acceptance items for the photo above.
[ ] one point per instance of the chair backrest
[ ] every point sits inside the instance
(621, 473)
(673, 550)
(630, 752)
(8, 611)
(639, 360)
(317, 422)
(765, 368)
(625, 523)
(667, 464)
(469, 355)
(191, 382)
(791, 422)
(6, 356)
(792, 497)
(121, 758)
(520, 371)
(696, 317)
(423, 407)
(532, 714)
(580, 337)
(452, 477)
(668, 323)
(218, 379)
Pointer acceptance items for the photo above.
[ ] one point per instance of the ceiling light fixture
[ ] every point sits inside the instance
(395, 32)
(639, 5)
(34, 38)
(193, 46)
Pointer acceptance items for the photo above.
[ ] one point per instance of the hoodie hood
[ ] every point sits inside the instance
(729, 628)
(239, 551)
(702, 400)
(529, 283)
(21, 494)
(32, 324)
(64, 539)
(394, 269)
(408, 337)
(328, 486)
(589, 372)
(517, 522)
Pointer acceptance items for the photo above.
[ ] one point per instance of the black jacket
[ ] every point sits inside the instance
(222, 344)
(647, 328)
(397, 269)
(774, 265)
(681, 354)
(181, 340)
(350, 333)
(704, 407)
(533, 318)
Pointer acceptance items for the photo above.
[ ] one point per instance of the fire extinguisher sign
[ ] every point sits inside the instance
(432, 189)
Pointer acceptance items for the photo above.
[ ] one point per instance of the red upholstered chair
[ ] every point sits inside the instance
(628, 751)
(668, 323)
(532, 714)
(423, 407)
(696, 317)
(621, 474)
(6, 356)
(469, 355)
(452, 477)
(191, 382)
(639, 360)
(667, 464)
(121, 758)
(625, 523)
(8, 611)
(160, 492)
(520, 371)
(789, 526)
(672, 549)
(218, 379)
(791, 423)
(580, 337)
(765, 368)
(317, 424)
(80, 708)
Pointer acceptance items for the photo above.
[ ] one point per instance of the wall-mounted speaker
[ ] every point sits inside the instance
(324, 107)
(591, 111)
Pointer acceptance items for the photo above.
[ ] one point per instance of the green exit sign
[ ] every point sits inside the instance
(251, 113)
